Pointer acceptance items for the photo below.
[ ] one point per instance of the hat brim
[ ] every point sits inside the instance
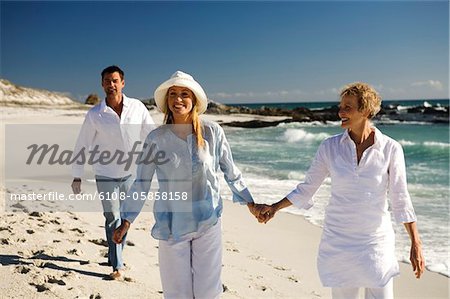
(200, 95)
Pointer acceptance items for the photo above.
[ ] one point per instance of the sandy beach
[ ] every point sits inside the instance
(60, 254)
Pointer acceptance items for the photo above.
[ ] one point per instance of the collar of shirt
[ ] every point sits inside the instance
(379, 138)
(104, 107)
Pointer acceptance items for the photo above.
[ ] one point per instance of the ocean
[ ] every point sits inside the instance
(274, 159)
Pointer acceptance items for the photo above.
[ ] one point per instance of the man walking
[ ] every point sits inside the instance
(116, 125)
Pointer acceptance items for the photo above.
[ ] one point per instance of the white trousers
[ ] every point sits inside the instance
(191, 268)
(386, 292)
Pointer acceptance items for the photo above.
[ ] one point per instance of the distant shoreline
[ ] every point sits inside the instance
(327, 104)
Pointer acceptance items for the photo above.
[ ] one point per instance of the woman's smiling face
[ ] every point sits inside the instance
(180, 100)
(349, 113)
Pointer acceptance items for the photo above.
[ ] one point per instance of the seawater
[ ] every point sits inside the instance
(274, 160)
(320, 105)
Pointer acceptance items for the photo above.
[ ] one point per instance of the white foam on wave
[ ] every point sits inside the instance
(425, 143)
(309, 124)
(386, 121)
(436, 144)
(296, 135)
(441, 268)
(406, 142)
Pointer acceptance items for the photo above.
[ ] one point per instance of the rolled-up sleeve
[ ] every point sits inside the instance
(302, 195)
(232, 174)
(401, 204)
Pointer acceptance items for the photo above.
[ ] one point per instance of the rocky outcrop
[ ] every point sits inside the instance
(257, 123)
(14, 95)
(92, 99)
(150, 103)
(423, 113)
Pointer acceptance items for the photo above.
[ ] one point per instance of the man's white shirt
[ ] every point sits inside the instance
(104, 135)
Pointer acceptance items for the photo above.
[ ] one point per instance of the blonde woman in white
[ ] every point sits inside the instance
(189, 232)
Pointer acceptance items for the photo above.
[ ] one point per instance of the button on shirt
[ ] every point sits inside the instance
(104, 132)
(188, 171)
(357, 245)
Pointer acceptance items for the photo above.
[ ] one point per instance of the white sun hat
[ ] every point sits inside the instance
(181, 79)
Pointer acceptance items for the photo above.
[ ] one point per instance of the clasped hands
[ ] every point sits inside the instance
(262, 212)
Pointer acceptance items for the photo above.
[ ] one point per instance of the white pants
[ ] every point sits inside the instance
(386, 292)
(191, 268)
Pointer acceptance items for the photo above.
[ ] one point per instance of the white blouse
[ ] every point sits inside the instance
(357, 248)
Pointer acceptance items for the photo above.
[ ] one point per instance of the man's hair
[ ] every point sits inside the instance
(368, 98)
(112, 69)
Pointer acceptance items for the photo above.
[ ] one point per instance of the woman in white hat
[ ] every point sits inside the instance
(186, 153)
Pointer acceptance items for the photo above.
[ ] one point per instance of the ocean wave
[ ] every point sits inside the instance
(386, 121)
(425, 143)
(441, 268)
(406, 142)
(296, 135)
(309, 124)
(438, 144)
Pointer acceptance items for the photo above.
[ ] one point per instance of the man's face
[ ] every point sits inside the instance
(112, 83)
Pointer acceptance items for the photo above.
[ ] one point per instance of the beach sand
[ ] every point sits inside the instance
(61, 254)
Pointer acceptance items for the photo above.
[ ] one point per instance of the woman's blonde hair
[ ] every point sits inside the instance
(368, 98)
(196, 122)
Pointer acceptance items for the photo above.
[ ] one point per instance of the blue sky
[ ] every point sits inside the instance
(241, 52)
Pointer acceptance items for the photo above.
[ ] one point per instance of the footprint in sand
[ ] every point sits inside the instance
(293, 278)
(79, 231)
(281, 268)
(40, 287)
(231, 246)
(36, 214)
(75, 251)
(71, 275)
(22, 269)
(104, 252)
(54, 280)
(262, 288)
(100, 242)
(73, 216)
(3, 228)
(257, 258)
(54, 221)
(224, 288)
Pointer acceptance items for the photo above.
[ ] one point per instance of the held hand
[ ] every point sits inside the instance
(76, 186)
(266, 213)
(253, 208)
(417, 259)
(262, 212)
(120, 232)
